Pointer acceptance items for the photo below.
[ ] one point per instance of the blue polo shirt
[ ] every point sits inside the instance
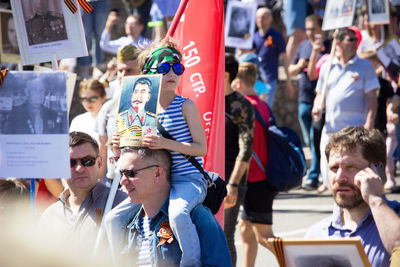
(366, 231)
(268, 49)
(307, 87)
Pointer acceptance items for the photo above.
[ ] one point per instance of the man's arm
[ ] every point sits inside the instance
(246, 134)
(295, 69)
(289, 86)
(103, 154)
(372, 104)
(105, 43)
(386, 220)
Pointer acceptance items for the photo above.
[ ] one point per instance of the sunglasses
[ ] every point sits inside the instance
(132, 173)
(87, 161)
(164, 68)
(91, 99)
(352, 39)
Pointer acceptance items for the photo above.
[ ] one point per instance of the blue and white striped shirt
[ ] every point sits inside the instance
(174, 123)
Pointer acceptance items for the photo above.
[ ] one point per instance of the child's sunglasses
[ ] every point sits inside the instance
(164, 68)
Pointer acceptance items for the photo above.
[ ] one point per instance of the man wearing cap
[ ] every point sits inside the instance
(106, 120)
(131, 121)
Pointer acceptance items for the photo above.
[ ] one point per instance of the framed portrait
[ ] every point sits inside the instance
(338, 14)
(389, 55)
(9, 50)
(137, 109)
(33, 125)
(47, 30)
(345, 252)
(239, 25)
(378, 11)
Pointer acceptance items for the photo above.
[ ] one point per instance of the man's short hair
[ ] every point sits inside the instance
(231, 66)
(139, 19)
(127, 53)
(343, 32)
(317, 20)
(370, 143)
(143, 81)
(247, 73)
(159, 156)
(80, 138)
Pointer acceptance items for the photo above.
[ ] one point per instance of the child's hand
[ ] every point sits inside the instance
(154, 141)
(115, 141)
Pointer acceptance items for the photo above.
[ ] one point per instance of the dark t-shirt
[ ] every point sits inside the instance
(384, 93)
(307, 87)
(239, 130)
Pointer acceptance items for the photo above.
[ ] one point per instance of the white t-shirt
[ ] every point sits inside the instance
(86, 123)
(345, 99)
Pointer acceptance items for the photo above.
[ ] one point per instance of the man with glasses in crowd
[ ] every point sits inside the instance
(141, 235)
(350, 94)
(76, 216)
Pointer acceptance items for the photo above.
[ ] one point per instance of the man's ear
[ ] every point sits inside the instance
(99, 161)
(159, 174)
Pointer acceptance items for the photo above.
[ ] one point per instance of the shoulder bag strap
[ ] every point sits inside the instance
(191, 159)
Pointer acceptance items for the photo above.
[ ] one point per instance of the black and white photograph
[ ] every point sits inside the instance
(8, 38)
(347, 252)
(389, 56)
(44, 21)
(47, 30)
(137, 113)
(34, 122)
(338, 14)
(378, 11)
(240, 26)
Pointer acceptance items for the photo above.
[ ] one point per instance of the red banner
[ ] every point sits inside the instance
(198, 29)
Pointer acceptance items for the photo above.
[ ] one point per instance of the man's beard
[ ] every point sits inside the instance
(347, 201)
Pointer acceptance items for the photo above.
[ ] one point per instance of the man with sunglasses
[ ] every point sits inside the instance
(140, 235)
(76, 216)
(350, 93)
(131, 121)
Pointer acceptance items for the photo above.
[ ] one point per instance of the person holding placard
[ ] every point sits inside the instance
(357, 158)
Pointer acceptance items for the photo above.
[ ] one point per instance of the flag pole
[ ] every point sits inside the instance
(177, 18)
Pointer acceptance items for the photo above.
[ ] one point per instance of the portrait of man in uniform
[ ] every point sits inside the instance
(139, 118)
(44, 21)
(9, 41)
(39, 114)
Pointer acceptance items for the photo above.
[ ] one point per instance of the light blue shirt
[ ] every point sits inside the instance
(112, 46)
(366, 231)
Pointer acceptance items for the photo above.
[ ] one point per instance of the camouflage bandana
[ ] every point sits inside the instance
(158, 56)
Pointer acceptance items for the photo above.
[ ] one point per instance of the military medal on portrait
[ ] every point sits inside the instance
(137, 112)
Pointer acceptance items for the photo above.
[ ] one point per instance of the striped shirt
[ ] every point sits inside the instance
(144, 259)
(174, 123)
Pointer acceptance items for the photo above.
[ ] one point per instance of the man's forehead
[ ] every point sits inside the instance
(346, 154)
(142, 86)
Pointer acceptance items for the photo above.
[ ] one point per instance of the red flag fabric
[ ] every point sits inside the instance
(200, 37)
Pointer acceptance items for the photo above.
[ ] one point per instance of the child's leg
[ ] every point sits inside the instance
(186, 193)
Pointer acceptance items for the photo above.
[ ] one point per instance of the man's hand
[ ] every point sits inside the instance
(369, 183)
(111, 20)
(115, 144)
(316, 113)
(231, 197)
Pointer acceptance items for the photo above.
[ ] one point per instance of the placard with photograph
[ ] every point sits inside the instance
(137, 112)
(34, 125)
(47, 29)
(338, 14)
(378, 11)
(344, 252)
(9, 51)
(240, 26)
(389, 55)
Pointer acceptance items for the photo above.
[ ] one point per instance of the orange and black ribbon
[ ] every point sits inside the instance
(278, 247)
(3, 74)
(83, 3)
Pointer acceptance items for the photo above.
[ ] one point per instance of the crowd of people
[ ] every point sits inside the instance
(347, 110)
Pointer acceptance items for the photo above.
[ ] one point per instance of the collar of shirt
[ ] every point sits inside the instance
(132, 116)
(352, 61)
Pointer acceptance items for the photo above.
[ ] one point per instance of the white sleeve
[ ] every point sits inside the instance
(107, 45)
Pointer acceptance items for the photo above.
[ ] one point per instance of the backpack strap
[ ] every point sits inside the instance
(191, 159)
